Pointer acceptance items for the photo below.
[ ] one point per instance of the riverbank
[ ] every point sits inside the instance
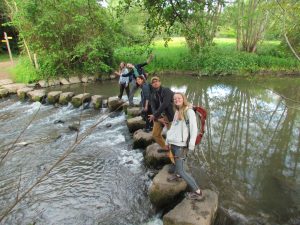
(221, 59)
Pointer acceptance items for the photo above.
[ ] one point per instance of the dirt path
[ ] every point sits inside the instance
(4, 70)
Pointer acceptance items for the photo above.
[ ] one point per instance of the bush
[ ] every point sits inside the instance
(24, 71)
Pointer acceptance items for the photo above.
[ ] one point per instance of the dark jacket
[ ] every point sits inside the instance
(161, 101)
(139, 68)
(145, 94)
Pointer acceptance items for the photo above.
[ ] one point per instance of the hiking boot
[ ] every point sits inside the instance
(194, 196)
(174, 178)
(147, 130)
(162, 150)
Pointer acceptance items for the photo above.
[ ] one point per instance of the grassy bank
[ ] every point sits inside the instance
(222, 58)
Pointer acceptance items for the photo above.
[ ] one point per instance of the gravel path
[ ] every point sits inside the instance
(4, 68)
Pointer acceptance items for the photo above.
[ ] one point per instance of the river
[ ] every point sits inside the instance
(250, 155)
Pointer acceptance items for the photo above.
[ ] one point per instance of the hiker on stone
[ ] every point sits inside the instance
(181, 138)
(135, 71)
(162, 107)
(123, 80)
(145, 101)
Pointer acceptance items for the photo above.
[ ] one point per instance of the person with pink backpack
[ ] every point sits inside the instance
(181, 139)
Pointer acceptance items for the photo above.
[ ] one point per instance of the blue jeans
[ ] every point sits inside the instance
(180, 157)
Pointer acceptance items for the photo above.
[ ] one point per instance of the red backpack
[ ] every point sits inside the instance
(200, 118)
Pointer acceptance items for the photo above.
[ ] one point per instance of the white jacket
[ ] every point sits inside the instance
(179, 132)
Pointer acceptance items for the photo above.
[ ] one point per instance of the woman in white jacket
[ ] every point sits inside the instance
(178, 136)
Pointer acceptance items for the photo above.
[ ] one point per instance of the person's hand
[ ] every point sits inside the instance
(151, 118)
(117, 73)
(163, 121)
(167, 148)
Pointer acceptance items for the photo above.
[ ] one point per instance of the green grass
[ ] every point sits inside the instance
(24, 71)
(221, 58)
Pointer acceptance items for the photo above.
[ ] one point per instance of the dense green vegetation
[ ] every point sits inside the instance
(91, 37)
(222, 58)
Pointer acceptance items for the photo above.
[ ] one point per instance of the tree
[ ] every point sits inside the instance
(251, 22)
(75, 35)
(197, 20)
(289, 13)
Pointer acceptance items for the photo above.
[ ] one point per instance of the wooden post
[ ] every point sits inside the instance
(35, 61)
(8, 47)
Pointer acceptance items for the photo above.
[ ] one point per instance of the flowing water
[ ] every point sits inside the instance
(250, 155)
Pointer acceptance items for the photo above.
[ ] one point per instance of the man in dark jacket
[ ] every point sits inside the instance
(161, 101)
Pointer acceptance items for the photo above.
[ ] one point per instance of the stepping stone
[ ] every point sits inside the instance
(53, 82)
(37, 95)
(78, 100)
(114, 103)
(5, 82)
(194, 212)
(74, 80)
(163, 192)
(142, 139)
(65, 98)
(3, 93)
(43, 83)
(153, 158)
(22, 93)
(97, 101)
(133, 111)
(64, 81)
(135, 124)
(13, 88)
(53, 96)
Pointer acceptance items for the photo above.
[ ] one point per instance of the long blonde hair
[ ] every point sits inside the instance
(183, 108)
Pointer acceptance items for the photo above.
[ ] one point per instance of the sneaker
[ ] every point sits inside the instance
(174, 178)
(194, 196)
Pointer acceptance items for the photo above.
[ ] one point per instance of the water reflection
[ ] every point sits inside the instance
(252, 146)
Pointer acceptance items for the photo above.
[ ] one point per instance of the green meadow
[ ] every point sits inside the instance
(221, 58)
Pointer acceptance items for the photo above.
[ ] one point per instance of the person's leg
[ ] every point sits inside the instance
(127, 91)
(121, 91)
(156, 133)
(133, 88)
(179, 167)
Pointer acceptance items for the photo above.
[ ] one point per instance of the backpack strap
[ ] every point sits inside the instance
(187, 122)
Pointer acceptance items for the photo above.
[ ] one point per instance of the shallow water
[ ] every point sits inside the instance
(250, 151)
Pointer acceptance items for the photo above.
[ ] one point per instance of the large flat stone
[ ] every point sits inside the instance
(97, 101)
(22, 93)
(53, 96)
(37, 95)
(142, 139)
(114, 103)
(13, 88)
(43, 83)
(74, 80)
(64, 81)
(135, 124)
(65, 98)
(194, 212)
(78, 100)
(163, 192)
(153, 158)
(3, 93)
(5, 82)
